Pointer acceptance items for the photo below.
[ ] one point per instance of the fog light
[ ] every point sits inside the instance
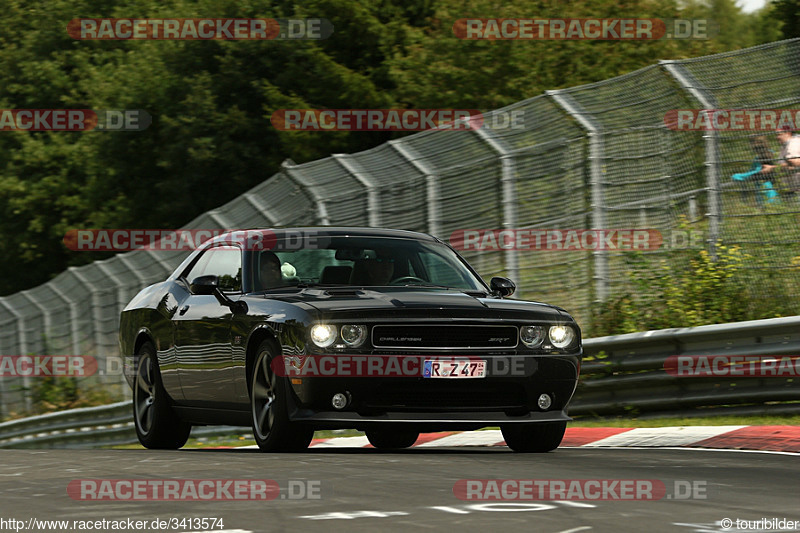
(545, 402)
(339, 401)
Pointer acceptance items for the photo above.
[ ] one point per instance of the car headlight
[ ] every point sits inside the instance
(323, 335)
(561, 336)
(531, 336)
(354, 335)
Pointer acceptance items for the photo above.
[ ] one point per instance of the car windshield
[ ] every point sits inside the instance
(364, 262)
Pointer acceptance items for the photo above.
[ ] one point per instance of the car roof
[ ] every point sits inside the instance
(331, 231)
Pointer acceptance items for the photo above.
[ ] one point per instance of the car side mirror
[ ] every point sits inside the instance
(502, 286)
(204, 285)
(209, 285)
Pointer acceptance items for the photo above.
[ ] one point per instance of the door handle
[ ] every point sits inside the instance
(183, 310)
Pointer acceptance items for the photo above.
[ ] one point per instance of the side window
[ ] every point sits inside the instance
(224, 262)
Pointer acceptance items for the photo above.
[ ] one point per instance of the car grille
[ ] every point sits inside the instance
(446, 396)
(443, 336)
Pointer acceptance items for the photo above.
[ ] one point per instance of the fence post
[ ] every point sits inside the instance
(73, 318)
(707, 100)
(120, 305)
(48, 320)
(221, 220)
(509, 182)
(289, 168)
(596, 155)
(373, 201)
(432, 183)
(253, 200)
(95, 309)
(23, 349)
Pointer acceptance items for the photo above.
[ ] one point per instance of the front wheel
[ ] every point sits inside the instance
(538, 438)
(388, 439)
(157, 425)
(271, 426)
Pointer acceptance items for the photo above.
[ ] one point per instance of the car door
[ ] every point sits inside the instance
(203, 331)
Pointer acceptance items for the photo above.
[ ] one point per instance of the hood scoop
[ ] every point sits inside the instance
(344, 293)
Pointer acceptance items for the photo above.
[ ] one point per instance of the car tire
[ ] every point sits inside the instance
(538, 438)
(157, 425)
(387, 439)
(272, 429)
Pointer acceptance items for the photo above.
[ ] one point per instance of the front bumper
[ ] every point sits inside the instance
(440, 403)
(422, 422)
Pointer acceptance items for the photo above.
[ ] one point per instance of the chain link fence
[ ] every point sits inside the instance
(594, 156)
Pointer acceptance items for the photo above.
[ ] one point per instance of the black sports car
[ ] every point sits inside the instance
(386, 331)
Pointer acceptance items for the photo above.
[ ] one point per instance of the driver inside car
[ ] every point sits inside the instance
(269, 270)
(376, 269)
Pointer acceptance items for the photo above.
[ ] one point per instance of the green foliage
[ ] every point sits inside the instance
(56, 393)
(210, 140)
(787, 12)
(211, 101)
(679, 292)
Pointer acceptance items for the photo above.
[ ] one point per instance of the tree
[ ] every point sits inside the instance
(211, 101)
(787, 12)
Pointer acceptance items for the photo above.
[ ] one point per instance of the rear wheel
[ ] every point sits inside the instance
(271, 426)
(157, 425)
(388, 439)
(541, 437)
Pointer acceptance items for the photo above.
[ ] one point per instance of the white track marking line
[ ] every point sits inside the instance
(686, 448)
(467, 438)
(343, 442)
(666, 436)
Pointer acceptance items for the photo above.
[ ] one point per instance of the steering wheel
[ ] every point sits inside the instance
(406, 279)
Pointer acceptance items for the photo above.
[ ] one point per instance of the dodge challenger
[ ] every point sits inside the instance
(389, 332)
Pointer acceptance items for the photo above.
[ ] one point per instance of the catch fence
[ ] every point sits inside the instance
(594, 156)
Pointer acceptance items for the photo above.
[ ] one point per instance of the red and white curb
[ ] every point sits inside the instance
(767, 438)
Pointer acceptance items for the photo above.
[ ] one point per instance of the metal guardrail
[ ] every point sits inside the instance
(624, 374)
(603, 149)
(621, 375)
(89, 427)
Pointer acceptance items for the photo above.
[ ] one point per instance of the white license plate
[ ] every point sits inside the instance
(453, 369)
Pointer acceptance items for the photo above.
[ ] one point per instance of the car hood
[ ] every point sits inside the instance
(418, 302)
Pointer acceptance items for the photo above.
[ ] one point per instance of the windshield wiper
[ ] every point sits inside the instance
(312, 284)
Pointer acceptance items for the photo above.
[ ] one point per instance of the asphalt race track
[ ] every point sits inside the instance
(371, 490)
